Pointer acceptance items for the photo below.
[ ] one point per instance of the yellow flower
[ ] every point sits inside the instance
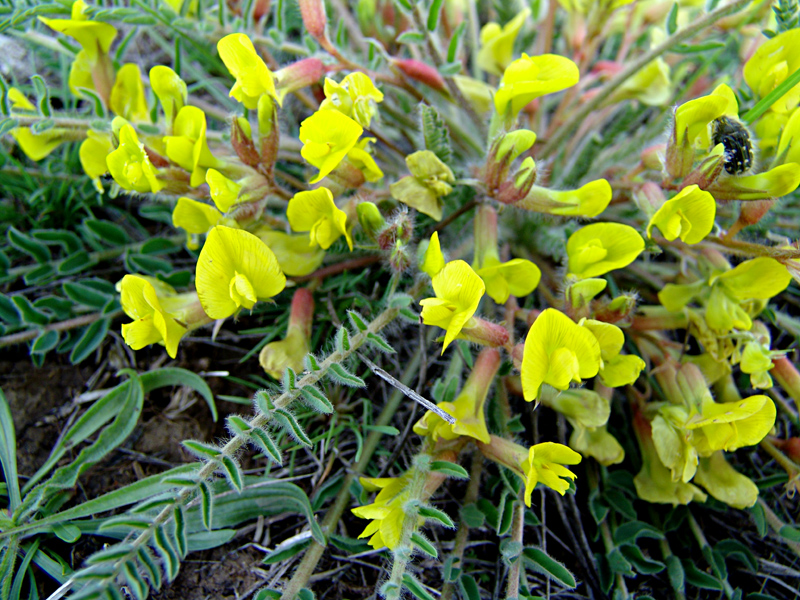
(433, 260)
(730, 425)
(170, 90)
(557, 352)
(160, 315)
(756, 361)
(476, 92)
(529, 77)
(788, 149)
(235, 269)
(356, 97)
(94, 37)
(289, 352)
(327, 137)
(689, 215)
(467, 408)
(724, 483)
(314, 211)
(387, 512)
(616, 369)
(771, 64)
(775, 183)
(589, 200)
(516, 277)
(651, 86)
(224, 192)
(195, 217)
(127, 95)
(35, 146)
(188, 147)
(458, 292)
(602, 247)
(130, 166)
(497, 43)
(293, 252)
(362, 160)
(253, 78)
(545, 464)
(430, 179)
(92, 153)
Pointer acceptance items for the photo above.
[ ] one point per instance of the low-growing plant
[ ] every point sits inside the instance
(595, 202)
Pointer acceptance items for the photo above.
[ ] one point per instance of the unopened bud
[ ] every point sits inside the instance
(242, 142)
(298, 75)
(371, 219)
(421, 72)
(314, 19)
(400, 259)
(269, 136)
(652, 157)
(649, 197)
(752, 212)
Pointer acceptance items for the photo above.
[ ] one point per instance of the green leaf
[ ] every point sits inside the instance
(400, 301)
(285, 552)
(437, 140)
(790, 533)
(411, 37)
(206, 504)
(676, 573)
(310, 363)
(39, 275)
(67, 532)
(424, 545)
(469, 588)
(341, 375)
(760, 519)
(472, 516)
(238, 425)
(289, 380)
(263, 441)
(416, 588)
(549, 567)
(201, 449)
(450, 469)
(70, 242)
(38, 251)
(342, 340)
(287, 421)
(700, 579)
(30, 315)
(628, 533)
(149, 265)
(356, 320)
(173, 376)
(151, 569)
(433, 14)
(640, 562)
(90, 339)
(7, 125)
(9, 313)
(136, 584)
(107, 232)
(8, 453)
(434, 514)
(86, 295)
(380, 343)
(79, 261)
(181, 539)
(167, 552)
(315, 399)
(233, 472)
(510, 550)
(452, 48)
(672, 19)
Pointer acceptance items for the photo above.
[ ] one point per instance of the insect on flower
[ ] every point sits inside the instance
(736, 139)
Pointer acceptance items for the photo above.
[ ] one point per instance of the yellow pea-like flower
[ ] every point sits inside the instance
(616, 369)
(433, 259)
(589, 200)
(360, 157)
(315, 211)
(161, 316)
(730, 425)
(224, 192)
(170, 90)
(771, 64)
(725, 483)
(92, 153)
(94, 37)
(516, 277)
(235, 270)
(529, 77)
(557, 352)
(458, 292)
(693, 118)
(430, 179)
(356, 97)
(127, 94)
(195, 217)
(129, 164)
(602, 247)
(387, 512)
(497, 43)
(289, 352)
(688, 216)
(188, 147)
(293, 252)
(253, 78)
(35, 146)
(327, 137)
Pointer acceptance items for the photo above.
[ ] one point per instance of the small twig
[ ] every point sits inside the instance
(29, 334)
(406, 390)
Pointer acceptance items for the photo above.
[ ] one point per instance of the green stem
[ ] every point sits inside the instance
(666, 552)
(706, 548)
(608, 89)
(29, 334)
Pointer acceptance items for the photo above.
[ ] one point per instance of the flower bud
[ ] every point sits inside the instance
(268, 133)
(400, 258)
(276, 357)
(424, 73)
(649, 197)
(298, 75)
(652, 157)
(314, 19)
(370, 218)
(242, 142)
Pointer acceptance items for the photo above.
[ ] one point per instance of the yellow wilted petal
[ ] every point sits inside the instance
(477, 93)
(517, 277)
(327, 137)
(602, 247)
(557, 351)
(458, 292)
(253, 78)
(771, 64)
(497, 44)
(597, 443)
(195, 217)
(724, 483)
(235, 268)
(651, 86)
(689, 216)
(170, 90)
(38, 146)
(582, 406)
(295, 257)
(127, 95)
(433, 262)
(675, 297)
(315, 211)
(529, 77)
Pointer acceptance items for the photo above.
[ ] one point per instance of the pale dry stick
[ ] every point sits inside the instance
(608, 89)
(314, 552)
(235, 443)
(29, 334)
